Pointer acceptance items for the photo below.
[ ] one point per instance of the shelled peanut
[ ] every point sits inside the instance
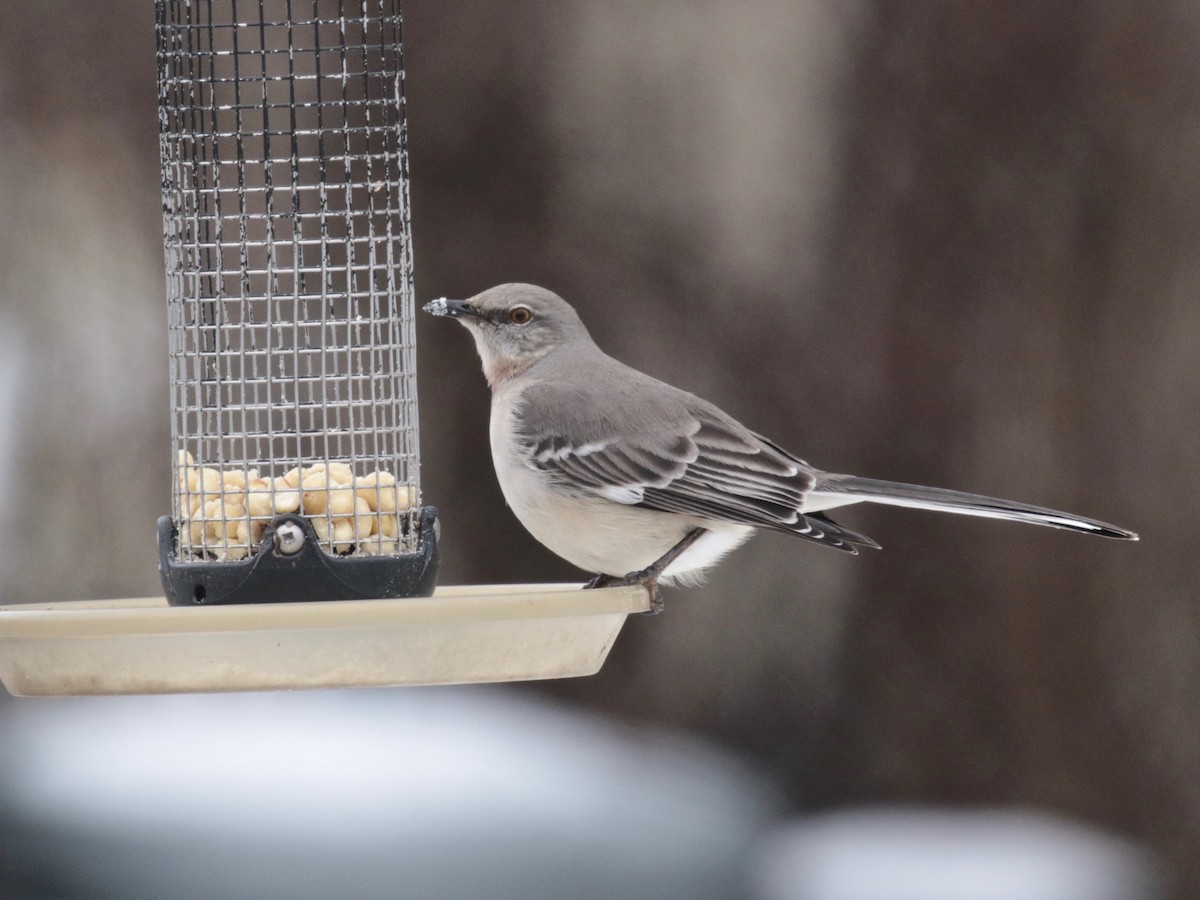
(225, 511)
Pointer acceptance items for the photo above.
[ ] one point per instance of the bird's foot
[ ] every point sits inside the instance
(648, 577)
(643, 577)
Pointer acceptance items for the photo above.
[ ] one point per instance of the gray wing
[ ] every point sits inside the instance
(702, 464)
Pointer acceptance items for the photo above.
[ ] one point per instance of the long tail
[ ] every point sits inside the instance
(844, 489)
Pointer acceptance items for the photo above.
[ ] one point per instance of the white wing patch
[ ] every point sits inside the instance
(555, 454)
(630, 495)
(588, 449)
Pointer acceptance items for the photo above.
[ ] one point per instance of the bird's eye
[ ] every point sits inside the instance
(520, 315)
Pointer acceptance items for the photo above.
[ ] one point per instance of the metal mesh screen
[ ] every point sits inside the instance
(289, 272)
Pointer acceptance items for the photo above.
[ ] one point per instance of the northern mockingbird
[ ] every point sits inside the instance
(635, 480)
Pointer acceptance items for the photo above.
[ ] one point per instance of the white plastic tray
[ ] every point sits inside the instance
(461, 634)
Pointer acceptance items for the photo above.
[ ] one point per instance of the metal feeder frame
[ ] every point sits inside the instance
(290, 303)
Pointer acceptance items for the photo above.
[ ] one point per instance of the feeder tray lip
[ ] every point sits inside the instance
(462, 634)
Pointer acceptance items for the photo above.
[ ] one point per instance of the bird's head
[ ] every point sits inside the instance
(514, 326)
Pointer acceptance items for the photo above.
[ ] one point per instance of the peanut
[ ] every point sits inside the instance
(249, 533)
(322, 527)
(364, 519)
(377, 546)
(340, 473)
(287, 498)
(316, 493)
(342, 502)
(343, 535)
(210, 480)
(223, 513)
(258, 499)
(379, 489)
(234, 480)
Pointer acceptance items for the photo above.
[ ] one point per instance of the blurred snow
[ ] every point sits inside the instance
(929, 854)
(472, 792)
(427, 793)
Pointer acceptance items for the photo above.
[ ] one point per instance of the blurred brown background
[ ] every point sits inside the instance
(948, 243)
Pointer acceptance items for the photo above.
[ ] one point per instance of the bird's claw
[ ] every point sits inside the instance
(648, 577)
(656, 600)
(645, 577)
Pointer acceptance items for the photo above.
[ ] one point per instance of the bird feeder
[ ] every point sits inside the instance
(297, 552)
(290, 308)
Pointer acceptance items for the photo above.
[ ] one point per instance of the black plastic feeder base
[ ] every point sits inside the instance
(308, 574)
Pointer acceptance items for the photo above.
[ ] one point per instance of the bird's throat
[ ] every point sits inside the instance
(497, 368)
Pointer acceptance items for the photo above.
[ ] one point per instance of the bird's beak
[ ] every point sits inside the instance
(455, 309)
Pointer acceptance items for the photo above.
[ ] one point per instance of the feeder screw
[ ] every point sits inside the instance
(289, 538)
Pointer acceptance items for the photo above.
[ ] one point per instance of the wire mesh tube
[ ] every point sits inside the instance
(289, 293)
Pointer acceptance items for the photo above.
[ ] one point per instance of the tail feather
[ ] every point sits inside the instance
(852, 539)
(851, 488)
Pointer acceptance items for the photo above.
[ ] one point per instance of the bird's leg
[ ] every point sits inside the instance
(601, 581)
(649, 576)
